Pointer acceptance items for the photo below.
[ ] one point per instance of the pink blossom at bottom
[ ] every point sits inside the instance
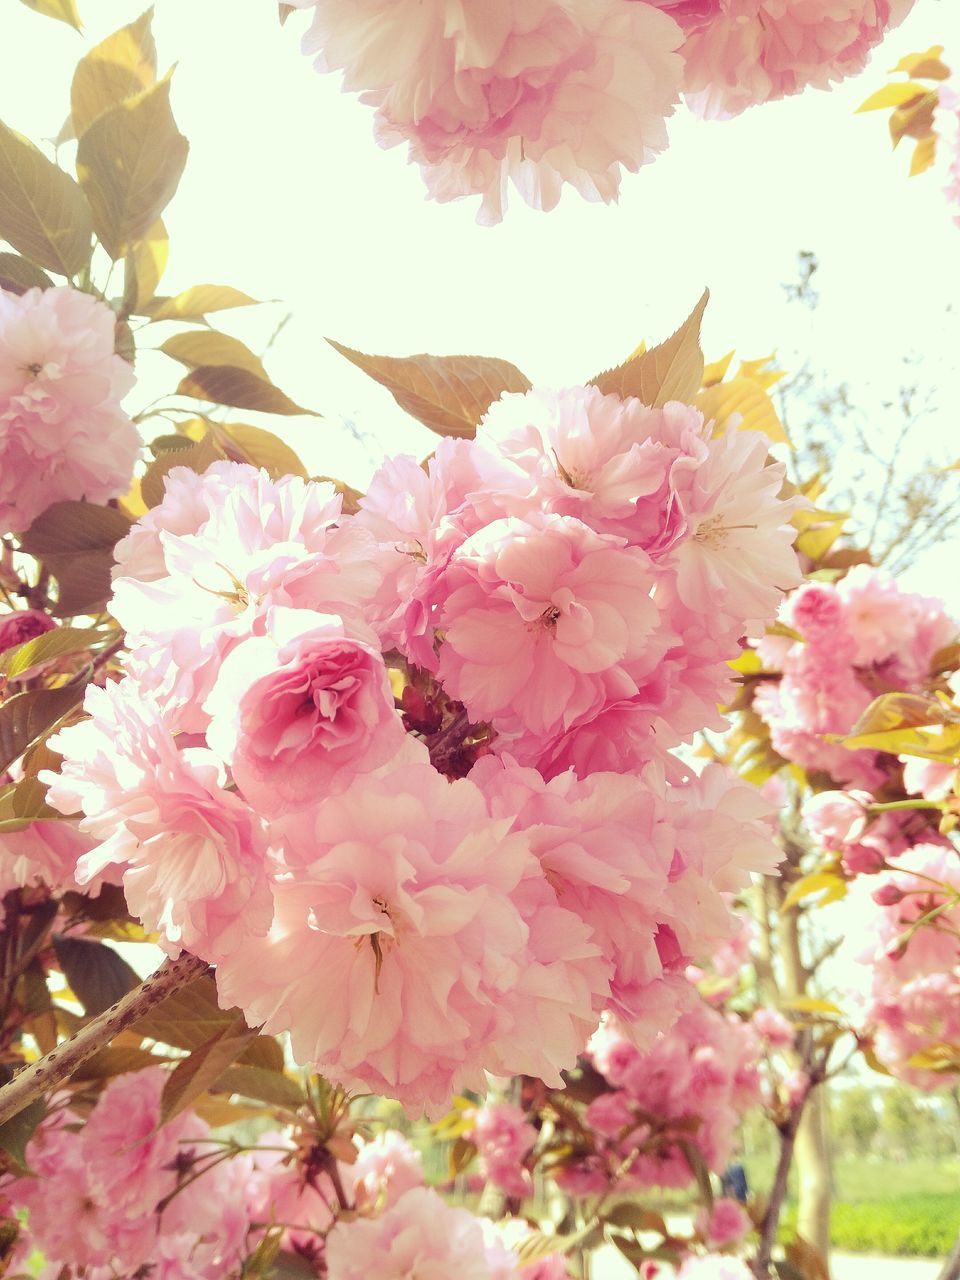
(725, 1224)
(714, 1267)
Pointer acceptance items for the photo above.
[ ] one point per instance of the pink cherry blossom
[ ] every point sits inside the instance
(301, 710)
(420, 1237)
(192, 854)
(503, 1136)
(544, 620)
(837, 818)
(773, 1028)
(386, 1168)
(757, 50)
(23, 625)
(443, 946)
(725, 1224)
(63, 434)
(540, 95)
(214, 556)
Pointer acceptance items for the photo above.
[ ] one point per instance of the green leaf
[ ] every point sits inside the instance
(671, 371)
(119, 67)
(116, 1060)
(261, 1084)
(44, 648)
(23, 803)
(17, 275)
(143, 266)
(43, 213)
(264, 1052)
(62, 10)
(195, 303)
(208, 347)
(97, 975)
(129, 163)
(262, 449)
(189, 1018)
(16, 1132)
(195, 1075)
(448, 394)
(75, 541)
(25, 717)
(238, 388)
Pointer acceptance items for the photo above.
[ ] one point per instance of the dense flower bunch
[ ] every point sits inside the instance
(122, 1192)
(553, 604)
(547, 92)
(690, 1087)
(855, 638)
(63, 434)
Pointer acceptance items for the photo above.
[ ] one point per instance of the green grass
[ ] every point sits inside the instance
(904, 1209)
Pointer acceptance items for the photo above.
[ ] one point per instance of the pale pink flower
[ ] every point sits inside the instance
(214, 557)
(880, 615)
(63, 434)
(912, 1017)
(420, 1237)
(192, 854)
(836, 818)
(725, 1224)
(301, 710)
(738, 559)
(795, 1086)
(773, 1028)
(928, 778)
(543, 622)
(386, 1168)
(46, 853)
(503, 1136)
(540, 95)
(443, 948)
(753, 51)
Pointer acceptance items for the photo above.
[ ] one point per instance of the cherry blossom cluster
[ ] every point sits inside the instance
(123, 1192)
(423, 749)
(539, 93)
(691, 1086)
(855, 639)
(63, 434)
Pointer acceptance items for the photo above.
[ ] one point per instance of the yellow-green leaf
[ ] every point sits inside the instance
(143, 266)
(671, 371)
(17, 275)
(239, 388)
(25, 717)
(744, 397)
(927, 66)
(45, 648)
(716, 371)
(261, 449)
(924, 155)
(129, 163)
(23, 803)
(119, 67)
(197, 457)
(914, 119)
(194, 1075)
(831, 886)
(195, 303)
(62, 10)
(448, 394)
(200, 347)
(811, 1004)
(892, 95)
(43, 213)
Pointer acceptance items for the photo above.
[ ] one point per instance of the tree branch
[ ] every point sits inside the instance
(60, 1063)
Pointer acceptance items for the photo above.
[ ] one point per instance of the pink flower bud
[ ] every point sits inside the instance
(888, 895)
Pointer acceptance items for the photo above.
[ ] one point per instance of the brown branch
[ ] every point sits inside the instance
(60, 1063)
(771, 1218)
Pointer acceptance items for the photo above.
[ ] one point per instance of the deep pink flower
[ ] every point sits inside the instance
(63, 434)
(725, 1224)
(23, 625)
(301, 710)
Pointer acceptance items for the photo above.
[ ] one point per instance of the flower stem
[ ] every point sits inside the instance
(60, 1063)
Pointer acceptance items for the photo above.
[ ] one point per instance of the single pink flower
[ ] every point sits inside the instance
(725, 1224)
(23, 625)
(386, 1168)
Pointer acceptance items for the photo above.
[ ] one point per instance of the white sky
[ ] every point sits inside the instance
(287, 196)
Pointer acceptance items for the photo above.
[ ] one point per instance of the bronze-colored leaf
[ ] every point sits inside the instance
(263, 1085)
(143, 266)
(129, 163)
(25, 717)
(117, 68)
(75, 541)
(238, 388)
(188, 1018)
(62, 10)
(671, 371)
(197, 457)
(195, 303)
(96, 974)
(194, 1075)
(261, 449)
(17, 275)
(448, 394)
(43, 213)
(200, 347)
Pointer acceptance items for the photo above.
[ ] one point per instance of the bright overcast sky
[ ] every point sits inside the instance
(286, 196)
